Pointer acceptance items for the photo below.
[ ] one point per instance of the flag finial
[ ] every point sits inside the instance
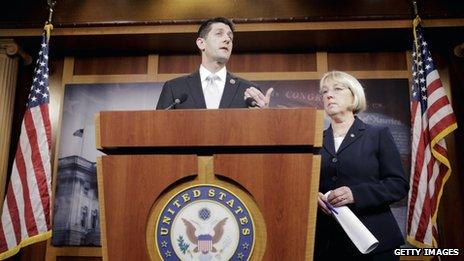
(414, 4)
(48, 24)
(51, 4)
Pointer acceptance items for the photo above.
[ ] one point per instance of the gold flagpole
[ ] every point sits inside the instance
(48, 24)
(415, 23)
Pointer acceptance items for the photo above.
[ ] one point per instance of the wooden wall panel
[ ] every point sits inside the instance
(251, 62)
(110, 65)
(56, 97)
(178, 63)
(280, 62)
(77, 258)
(283, 211)
(372, 61)
(34, 252)
(128, 197)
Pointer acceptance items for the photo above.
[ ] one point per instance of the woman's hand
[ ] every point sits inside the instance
(340, 196)
(320, 202)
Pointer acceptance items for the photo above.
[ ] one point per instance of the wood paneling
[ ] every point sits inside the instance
(179, 63)
(267, 126)
(34, 252)
(56, 98)
(110, 65)
(282, 199)
(131, 184)
(77, 258)
(279, 62)
(367, 61)
(8, 80)
(53, 253)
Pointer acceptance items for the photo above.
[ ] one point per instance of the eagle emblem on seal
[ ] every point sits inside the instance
(206, 239)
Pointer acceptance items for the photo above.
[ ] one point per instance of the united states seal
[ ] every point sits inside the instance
(205, 222)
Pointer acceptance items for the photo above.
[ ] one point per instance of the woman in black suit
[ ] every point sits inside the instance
(361, 167)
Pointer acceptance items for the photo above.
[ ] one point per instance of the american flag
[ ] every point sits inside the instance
(26, 208)
(432, 119)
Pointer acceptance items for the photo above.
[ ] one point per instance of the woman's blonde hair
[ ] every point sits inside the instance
(359, 101)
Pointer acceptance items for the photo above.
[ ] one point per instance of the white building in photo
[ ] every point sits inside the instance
(75, 212)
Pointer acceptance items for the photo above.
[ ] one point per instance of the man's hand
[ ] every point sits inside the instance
(261, 99)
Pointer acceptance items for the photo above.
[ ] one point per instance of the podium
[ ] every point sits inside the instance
(259, 167)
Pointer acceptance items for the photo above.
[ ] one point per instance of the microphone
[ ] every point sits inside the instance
(183, 97)
(251, 102)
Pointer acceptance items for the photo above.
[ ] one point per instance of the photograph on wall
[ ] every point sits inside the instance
(75, 209)
(76, 212)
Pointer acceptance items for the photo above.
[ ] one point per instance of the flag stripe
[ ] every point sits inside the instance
(442, 171)
(6, 242)
(39, 194)
(3, 243)
(422, 197)
(445, 121)
(27, 165)
(17, 192)
(45, 180)
(434, 113)
(418, 146)
(426, 207)
(14, 226)
(433, 85)
(47, 127)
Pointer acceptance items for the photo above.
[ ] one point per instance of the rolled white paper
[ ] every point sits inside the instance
(355, 229)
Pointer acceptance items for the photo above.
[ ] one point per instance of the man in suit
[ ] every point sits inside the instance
(212, 86)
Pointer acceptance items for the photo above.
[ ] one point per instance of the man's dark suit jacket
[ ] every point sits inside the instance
(369, 164)
(232, 97)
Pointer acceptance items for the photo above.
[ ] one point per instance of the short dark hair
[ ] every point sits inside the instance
(205, 27)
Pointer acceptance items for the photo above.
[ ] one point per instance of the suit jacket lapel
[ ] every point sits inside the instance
(196, 92)
(328, 142)
(354, 133)
(230, 90)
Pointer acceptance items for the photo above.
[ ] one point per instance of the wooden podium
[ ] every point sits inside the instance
(266, 157)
